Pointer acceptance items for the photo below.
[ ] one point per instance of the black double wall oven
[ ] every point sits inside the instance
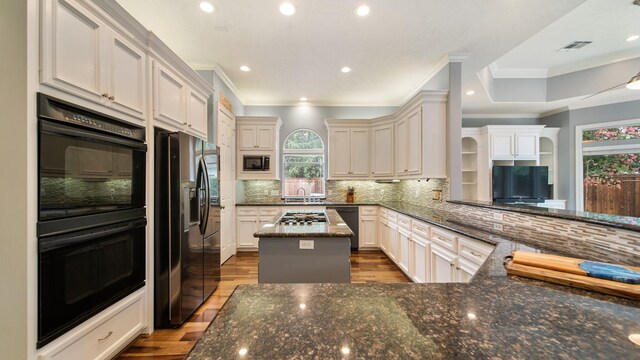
(91, 214)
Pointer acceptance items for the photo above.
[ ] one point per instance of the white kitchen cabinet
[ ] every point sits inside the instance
(383, 234)
(514, 142)
(419, 262)
(392, 241)
(465, 270)
(348, 149)
(168, 96)
(382, 151)
(368, 227)
(196, 113)
(256, 137)
(246, 226)
(83, 56)
(443, 265)
(408, 144)
(403, 256)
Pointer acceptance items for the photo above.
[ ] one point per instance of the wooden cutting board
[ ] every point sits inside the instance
(566, 271)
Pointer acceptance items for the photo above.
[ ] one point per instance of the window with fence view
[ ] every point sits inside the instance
(611, 170)
(303, 161)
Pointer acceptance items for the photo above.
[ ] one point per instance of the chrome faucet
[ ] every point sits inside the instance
(304, 194)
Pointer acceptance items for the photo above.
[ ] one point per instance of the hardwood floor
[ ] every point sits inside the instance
(174, 344)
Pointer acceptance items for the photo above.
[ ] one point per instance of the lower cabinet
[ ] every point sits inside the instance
(383, 234)
(404, 239)
(443, 265)
(368, 227)
(246, 227)
(419, 259)
(392, 241)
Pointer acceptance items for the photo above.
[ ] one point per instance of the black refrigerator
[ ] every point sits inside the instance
(186, 225)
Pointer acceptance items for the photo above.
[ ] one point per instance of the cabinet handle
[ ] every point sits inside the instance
(105, 95)
(373, 172)
(112, 97)
(451, 264)
(189, 125)
(184, 123)
(475, 254)
(457, 268)
(106, 337)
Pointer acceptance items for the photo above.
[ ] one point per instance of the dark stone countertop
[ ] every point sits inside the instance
(316, 203)
(617, 221)
(493, 316)
(335, 227)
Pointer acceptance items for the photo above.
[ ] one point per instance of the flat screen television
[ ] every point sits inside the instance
(520, 184)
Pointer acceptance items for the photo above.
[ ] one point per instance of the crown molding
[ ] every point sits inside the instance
(501, 116)
(217, 68)
(457, 57)
(422, 82)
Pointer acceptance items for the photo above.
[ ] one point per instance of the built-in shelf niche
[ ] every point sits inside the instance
(469, 168)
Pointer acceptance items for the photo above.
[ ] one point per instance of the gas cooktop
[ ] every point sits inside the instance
(303, 217)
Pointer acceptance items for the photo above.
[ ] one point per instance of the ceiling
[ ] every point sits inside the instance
(392, 51)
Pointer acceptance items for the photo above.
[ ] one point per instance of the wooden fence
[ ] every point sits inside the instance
(611, 200)
(311, 186)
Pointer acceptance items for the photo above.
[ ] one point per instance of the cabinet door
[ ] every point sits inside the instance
(339, 149)
(264, 137)
(246, 227)
(72, 49)
(442, 265)
(392, 241)
(382, 145)
(368, 231)
(402, 147)
(383, 234)
(168, 97)
(526, 146)
(126, 76)
(414, 154)
(248, 135)
(403, 249)
(419, 264)
(502, 146)
(197, 113)
(359, 151)
(465, 270)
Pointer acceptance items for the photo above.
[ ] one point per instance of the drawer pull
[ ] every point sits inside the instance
(475, 254)
(451, 264)
(106, 337)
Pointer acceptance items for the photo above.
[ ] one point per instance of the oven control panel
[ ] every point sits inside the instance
(96, 123)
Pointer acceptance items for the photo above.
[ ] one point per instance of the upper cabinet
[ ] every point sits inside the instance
(382, 150)
(95, 54)
(83, 56)
(514, 142)
(410, 144)
(348, 147)
(256, 137)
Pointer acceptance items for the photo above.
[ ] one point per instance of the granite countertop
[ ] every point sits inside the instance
(314, 203)
(334, 227)
(493, 316)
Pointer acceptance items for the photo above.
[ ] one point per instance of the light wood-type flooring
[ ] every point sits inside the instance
(170, 344)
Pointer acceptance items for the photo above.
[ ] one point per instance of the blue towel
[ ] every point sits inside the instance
(610, 272)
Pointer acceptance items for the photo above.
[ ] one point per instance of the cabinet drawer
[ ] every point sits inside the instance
(368, 210)
(392, 216)
(444, 238)
(383, 213)
(404, 221)
(420, 228)
(474, 250)
(269, 212)
(105, 339)
(246, 211)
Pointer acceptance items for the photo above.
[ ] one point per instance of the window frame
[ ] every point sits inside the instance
(303, 152)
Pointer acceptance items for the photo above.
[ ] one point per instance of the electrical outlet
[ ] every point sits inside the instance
(306, 244)
(497, 227)
(381, 192)
(498, 216)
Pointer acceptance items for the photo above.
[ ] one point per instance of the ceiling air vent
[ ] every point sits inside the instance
(575, 45)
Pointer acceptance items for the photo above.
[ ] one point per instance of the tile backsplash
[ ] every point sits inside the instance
(419, 192)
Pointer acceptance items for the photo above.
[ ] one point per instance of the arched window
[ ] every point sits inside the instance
(303, 161)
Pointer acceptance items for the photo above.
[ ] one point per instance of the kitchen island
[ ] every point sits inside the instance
(303, 246)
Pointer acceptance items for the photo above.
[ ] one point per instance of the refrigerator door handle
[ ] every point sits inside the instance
(204, 212)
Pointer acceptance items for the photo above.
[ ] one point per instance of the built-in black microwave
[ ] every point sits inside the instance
(255, 163)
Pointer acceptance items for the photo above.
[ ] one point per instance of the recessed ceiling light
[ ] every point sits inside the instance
(633, 38)
(287, 9)
(303, 306)
(346, 69)
(471, 316)
(303, 99)
(245, 68)
(470, 92)
(207, 7)
(243, 351)
(345, 350)
(363, 10)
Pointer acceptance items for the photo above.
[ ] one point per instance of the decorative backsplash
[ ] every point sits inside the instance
(419, 192)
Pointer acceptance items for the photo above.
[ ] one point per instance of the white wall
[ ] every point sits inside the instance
(14, 181)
